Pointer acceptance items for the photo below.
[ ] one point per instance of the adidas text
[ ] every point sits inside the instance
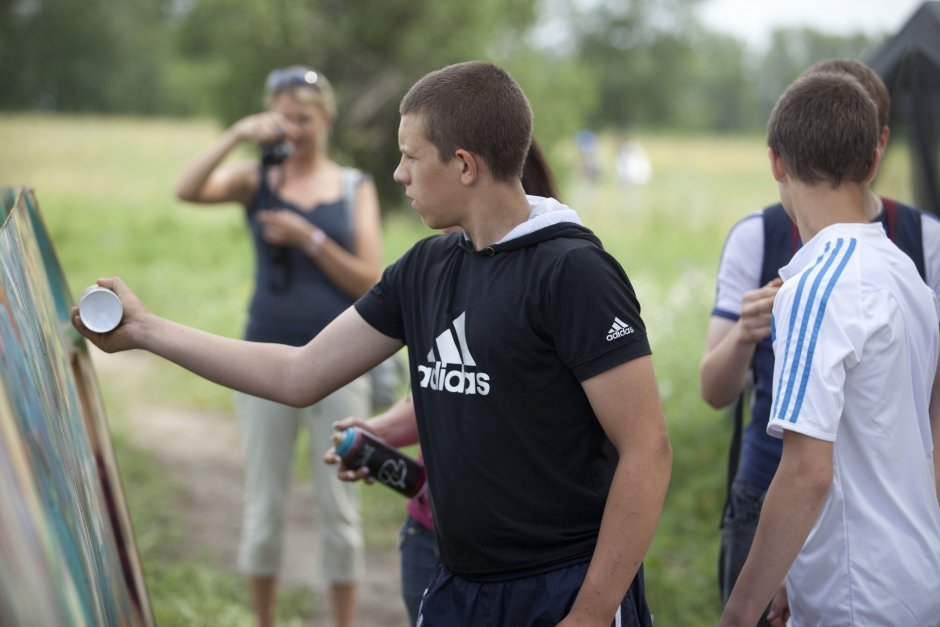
(459, 381)
(619, 333)
(618, 329)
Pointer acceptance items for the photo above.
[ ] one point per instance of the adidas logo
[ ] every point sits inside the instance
(450, 349)
(618, 329)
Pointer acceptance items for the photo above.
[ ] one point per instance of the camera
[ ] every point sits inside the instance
(275, 153)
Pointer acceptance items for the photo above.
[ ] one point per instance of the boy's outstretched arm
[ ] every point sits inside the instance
(297, 376)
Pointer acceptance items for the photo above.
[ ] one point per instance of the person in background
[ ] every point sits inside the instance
(416, 540)
(537, 176)
(316, 232)
(531, 372)
(588, 147)
(738, 353)
(398, 426)
(851, 520)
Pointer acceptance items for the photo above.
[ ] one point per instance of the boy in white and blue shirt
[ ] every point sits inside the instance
(852, 516)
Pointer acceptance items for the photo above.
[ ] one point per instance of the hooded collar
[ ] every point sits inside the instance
(547, 219)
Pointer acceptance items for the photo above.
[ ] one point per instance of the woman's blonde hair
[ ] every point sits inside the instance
(303, 83)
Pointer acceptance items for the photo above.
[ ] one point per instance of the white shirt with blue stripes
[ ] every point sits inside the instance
(856, 342)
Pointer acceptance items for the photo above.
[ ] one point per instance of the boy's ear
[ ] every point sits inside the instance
(883, 138)
(469, 166)
(777, 166)
(875, 164)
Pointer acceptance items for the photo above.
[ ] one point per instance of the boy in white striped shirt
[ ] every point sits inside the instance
(851, 518)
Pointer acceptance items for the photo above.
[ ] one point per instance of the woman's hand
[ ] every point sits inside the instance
(282, 227)
(266, 127)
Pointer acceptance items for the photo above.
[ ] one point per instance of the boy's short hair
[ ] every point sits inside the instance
(866, 76)
(475, 106)
(825, 128)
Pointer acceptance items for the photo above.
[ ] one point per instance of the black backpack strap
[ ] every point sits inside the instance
(734, 451)
(904, 228)
(781, 241)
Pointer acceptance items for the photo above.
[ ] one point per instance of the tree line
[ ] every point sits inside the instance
(611, 65)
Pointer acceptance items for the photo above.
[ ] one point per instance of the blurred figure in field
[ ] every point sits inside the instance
(587, 145)
(632, 164)
(316, 233)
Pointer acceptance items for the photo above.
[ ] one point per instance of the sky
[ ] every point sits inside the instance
(754, 20)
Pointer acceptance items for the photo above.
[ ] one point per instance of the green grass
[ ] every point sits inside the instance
(105, 189)
(186, 591)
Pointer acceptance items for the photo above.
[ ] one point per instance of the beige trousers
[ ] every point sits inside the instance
(269, 432)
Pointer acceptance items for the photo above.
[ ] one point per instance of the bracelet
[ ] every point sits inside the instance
(315, 245)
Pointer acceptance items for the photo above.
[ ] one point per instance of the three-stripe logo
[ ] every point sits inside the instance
(450, 350)
(806, 317)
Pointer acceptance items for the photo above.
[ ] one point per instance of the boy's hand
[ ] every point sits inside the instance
(128, 333)
(756, 306)
(779, 612)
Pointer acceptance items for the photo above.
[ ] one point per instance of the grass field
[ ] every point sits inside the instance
(105, 189)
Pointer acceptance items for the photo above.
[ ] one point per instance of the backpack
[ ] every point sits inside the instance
(389, 378)
(781, 241)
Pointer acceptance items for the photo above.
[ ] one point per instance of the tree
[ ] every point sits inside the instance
(639, 52)
(719, 90)
(792, 50)
(97, 55)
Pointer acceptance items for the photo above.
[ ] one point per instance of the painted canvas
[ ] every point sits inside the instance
(67, 549)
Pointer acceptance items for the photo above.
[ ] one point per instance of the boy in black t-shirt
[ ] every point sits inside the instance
(536, 401)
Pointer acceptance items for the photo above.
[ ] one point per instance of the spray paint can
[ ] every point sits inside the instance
(388, 465)
(100, 309)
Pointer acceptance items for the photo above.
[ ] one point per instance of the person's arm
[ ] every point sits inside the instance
(791, 507)
(203, 181)
(297, 376)
(354, 272)
(779, 612)
(397, 425)
(729, 346)
(627, 404)
(935, 428)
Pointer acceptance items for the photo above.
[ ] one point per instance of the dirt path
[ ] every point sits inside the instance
(202, 452)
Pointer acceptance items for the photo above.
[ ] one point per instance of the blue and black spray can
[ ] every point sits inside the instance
(388, 465)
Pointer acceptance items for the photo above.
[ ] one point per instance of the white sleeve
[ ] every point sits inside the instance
(740, 265)
(813, 317)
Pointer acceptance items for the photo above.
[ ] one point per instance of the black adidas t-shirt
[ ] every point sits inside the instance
(498, 342)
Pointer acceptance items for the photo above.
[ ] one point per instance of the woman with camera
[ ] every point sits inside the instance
(316, 232)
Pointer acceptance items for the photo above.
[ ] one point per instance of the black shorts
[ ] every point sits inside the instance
(537, 601)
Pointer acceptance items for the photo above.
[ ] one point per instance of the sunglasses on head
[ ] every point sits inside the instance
(287, 77)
